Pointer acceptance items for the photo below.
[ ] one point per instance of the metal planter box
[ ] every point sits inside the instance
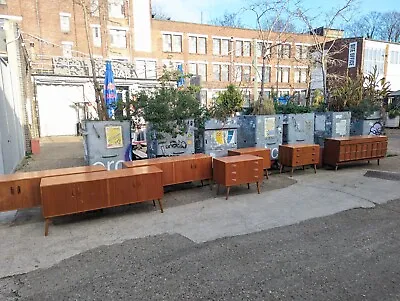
(298, 128)
(107, 143)
(331, 125)
(261, 131)
(219, 137)
(170, 146)
(372, 125)
(392, 122)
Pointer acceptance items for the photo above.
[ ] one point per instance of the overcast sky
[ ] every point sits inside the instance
(190, 10)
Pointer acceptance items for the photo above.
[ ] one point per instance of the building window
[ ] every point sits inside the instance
(221, 72)
(65, 22)
(284, 51)
(395, 57)
(203, 97)
(67, 49)
(283, 93)
(301, 52)
(246, 98)
(300, 75)
(267, 74)
(242, 73)
(198, 69)
(116, 9)
(283, 74)
(118, 38)
(263, 48)
(220, 46)
(3, 1)
(146, 69)
(94, 8)
(243, 48)
(172, 42)
(374, 57)
(197, 45)
(96, 33)
(238, 73)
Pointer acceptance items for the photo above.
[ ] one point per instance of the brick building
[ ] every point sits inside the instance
(64, 31)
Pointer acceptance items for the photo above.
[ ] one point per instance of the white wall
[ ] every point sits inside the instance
(142, 25)
(393, 70)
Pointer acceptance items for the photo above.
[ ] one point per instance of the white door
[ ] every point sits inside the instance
(58, 115)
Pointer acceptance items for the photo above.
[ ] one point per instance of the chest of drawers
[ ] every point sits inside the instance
(264, 153)
(295, 155)
(236, 170)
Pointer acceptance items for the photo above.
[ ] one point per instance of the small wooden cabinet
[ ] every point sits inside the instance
(264, 153)
(65, 195)
(180, 169)
(340, 151)
(22, 190)
(237, 170)
(296, 155)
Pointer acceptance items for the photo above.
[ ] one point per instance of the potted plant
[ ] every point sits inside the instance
(393, 116)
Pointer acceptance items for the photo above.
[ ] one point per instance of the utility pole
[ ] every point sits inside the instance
(255, 87)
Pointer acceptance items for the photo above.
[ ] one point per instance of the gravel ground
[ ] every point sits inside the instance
(351, 255)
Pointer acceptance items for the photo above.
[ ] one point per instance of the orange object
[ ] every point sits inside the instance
(35, 146)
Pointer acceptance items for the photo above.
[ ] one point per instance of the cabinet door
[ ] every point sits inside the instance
(122, 190)
(149, 187)
(168, 172)
(59, 200)
(92, 195)
(28, 193)
(202, 169)
(7, 196)
(184, 171)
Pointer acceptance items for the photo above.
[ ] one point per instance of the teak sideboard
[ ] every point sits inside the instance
(340, 151)
(65, 195)
(296, 155)
(264, 153)
(179, 169)
(237, 170)
(22, 190)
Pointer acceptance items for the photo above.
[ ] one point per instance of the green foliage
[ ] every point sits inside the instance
(267, 107)
(393, 111)
(291, 108)
(227, 103)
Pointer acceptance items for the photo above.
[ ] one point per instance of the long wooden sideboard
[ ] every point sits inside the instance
(22, 190)
(65, 195)
(179, 169)
(339, 151)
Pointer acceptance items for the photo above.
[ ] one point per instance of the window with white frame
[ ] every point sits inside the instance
(3, 1)
(65, 23)
(242, 73)
(263, 48)
(238, 73)
(284, 51)
(395, 57)
(283, 93)
(94, 8)
(118, 38)
(197, 68)
(283, 74)
(172, 42)
(96, 34)
(301, 52)
(67, 49)
(172, 65)
(242, 48)
(300, 75)
(116, 9)
(374, 57)
(203, 97)
(246, 98)
(221, 72)
(220, 46)
(267, 74)
(197, 44)
(146, 69)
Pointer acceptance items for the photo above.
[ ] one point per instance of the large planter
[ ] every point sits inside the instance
(372, 125)
(392, 122)
(107, 143)
(298, 128)
(331, 125)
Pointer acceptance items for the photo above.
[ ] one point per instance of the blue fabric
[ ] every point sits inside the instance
(181, 81)
(110, 91)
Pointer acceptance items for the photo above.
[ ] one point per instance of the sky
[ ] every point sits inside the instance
(191, 10)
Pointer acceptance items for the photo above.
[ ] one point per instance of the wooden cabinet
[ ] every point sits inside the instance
(237, 170)
(180, 169)
(295, 155)
(64, 195)
(340, 151)
(22, 190)
(264, 153)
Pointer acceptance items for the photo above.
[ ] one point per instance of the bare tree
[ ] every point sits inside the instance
(390, 26)
(368, 26)
(228, 20)
(90, 8)
(323, 44)
(158, 14)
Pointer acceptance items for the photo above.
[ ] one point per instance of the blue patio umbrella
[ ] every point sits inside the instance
(181, 80)
(110, 92)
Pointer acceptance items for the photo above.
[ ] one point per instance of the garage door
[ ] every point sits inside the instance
(57, 113)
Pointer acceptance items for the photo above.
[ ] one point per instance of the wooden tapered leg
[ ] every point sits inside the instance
(266, 174)
(217, 189)
(46, 226)
(227, 192)
(378, 161)
(154, 203)
(369, 162)
(248, 185)
(160, 204)
(211, 184)
(281, 168)
(202, 184)
(304, 167)
(291, 174)
(336, 168)
(258, 187)
(315, 168)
